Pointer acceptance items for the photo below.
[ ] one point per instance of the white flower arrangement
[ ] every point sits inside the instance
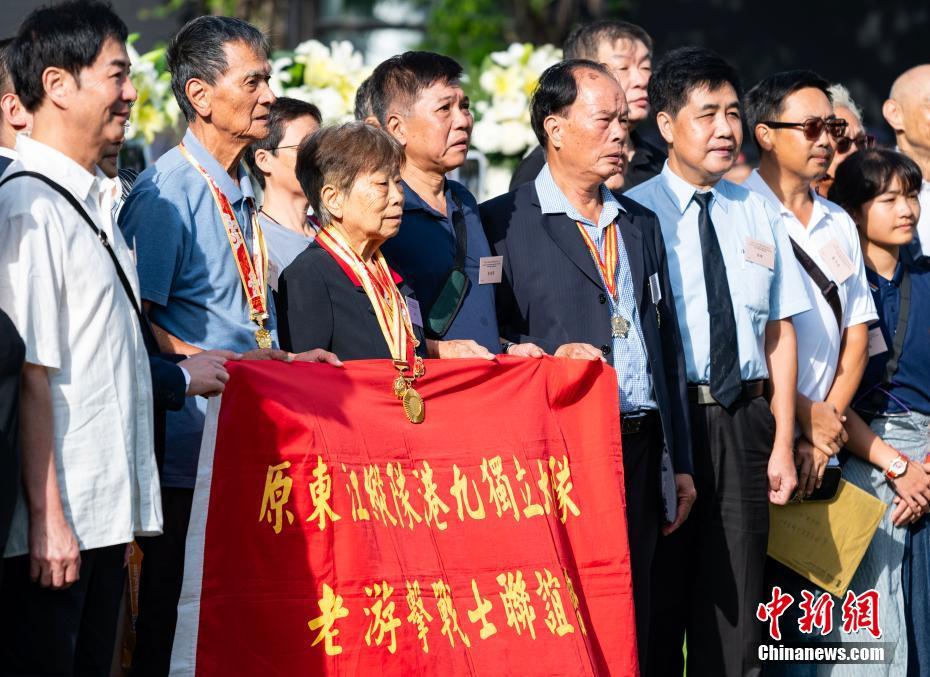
(325, 76)
(155, 109)
(505, 85)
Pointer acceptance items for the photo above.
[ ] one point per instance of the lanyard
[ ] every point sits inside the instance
(607, 265)
(388, 303)
(252, 274)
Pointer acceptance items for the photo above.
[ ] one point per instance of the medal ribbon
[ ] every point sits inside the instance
(388, 303)
(608, 264)
(252, 274)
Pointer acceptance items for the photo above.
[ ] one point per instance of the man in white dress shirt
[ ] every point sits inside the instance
(792, 119)
(89, 482)
(907, 111)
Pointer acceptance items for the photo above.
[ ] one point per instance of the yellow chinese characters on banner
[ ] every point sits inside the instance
(408, 499)
(439, 611)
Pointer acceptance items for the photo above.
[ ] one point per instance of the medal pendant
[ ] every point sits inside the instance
(619, 326)
(413, 406)
(418, 367)
(263, 338)
(400, 386)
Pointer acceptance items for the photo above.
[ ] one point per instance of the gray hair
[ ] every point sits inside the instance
(841, 97)
(198, 51)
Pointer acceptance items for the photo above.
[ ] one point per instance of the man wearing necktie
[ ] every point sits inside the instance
(736, 285)
(585, 277)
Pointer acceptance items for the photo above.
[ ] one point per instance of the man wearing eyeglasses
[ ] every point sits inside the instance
(907, 111)
(854, 140)
(794, 126)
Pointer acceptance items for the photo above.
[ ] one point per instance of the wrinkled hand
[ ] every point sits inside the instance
(687, 494)
(811, 462)
(783, 478)
(823, 426)
(525, 350)
(317, 355)
(54, 557)
(459, 348)
(208, 375)
(579, 351)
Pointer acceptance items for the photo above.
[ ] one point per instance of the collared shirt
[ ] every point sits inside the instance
(61, 290)
(423, 251)
(819, 337)
(911, 383)
(630, 359)
(923, 225)
(283, 246)
(187, 270)
(759, 293)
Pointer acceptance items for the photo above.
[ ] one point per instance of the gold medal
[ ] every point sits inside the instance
(263, 337)
(619, 326)
(400, 386)
(413, 406)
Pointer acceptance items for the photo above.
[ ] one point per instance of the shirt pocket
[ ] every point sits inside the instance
(753, 290)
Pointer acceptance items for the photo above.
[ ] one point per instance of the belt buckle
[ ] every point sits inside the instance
(632, 424)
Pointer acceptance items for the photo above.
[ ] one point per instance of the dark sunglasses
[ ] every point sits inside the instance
(813, 127)
(863, 141)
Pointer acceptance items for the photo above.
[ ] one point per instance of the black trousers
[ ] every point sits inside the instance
(160, 585)
(62, 632)
(642, 458)
(708, 575)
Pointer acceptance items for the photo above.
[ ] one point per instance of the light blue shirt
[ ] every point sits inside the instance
(759, 293)
(187, 270)
(629, 354)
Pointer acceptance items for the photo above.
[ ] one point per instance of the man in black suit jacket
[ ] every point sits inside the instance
(560, 289)
(626, 50)
(13, 117)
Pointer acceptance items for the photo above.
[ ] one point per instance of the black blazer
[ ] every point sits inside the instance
(551, 294)
(318, 306)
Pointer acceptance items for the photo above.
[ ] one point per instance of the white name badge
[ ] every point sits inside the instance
(413, 307)
(839, 263)
(877, 343)
(761, 253)
(655, 289)
(490, 269)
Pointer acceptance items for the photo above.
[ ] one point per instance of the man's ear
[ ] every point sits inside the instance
(555, 130)
(396, 126)
(765, 137)
(891, 110)
(200, 95)
(332, 199)
(664, 123)
(58, 85)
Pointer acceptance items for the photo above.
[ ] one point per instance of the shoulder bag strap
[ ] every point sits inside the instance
(147, 335)
(826, 285)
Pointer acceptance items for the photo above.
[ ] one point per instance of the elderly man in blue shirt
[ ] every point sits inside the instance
(192, 222)
(736, 285)
(440, 250)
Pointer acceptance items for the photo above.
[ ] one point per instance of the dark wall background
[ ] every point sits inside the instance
(863, 44)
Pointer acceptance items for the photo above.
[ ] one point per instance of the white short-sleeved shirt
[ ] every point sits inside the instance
(60, 288)
(760, 293)
(819, 337)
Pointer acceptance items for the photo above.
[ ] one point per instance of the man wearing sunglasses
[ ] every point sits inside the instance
(794, 125)
(907, 112)
(854, 140)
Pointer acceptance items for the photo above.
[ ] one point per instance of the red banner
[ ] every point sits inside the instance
(332, 536)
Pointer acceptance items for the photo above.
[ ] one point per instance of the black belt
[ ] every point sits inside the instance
(639, 422)
(699, 393)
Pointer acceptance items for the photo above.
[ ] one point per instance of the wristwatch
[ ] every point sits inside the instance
(897, 468)
(505, 346)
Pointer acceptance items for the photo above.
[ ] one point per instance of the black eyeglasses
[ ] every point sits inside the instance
(863, 141)
(813, 127)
